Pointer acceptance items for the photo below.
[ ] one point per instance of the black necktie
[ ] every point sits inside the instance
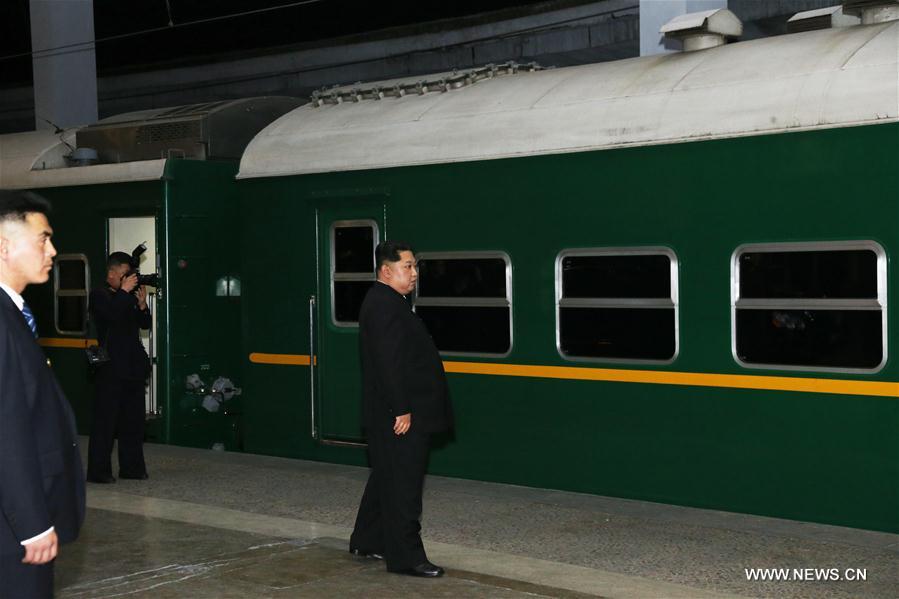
(29, 319)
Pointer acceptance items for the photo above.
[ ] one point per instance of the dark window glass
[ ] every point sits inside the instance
(462, 277)
(71, 274)
(616, 276)
(354, 249)
(468, 329)
(71, 313)
(823, 338)
(626, 333)
(348, 296)
(836, 274)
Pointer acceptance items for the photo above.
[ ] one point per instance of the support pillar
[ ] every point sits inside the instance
(64, 63)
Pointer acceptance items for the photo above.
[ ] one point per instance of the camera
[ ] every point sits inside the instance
(151, 280)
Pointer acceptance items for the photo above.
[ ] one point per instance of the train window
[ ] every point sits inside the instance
(348, 296)
(642, 276)
(812, 274)
(465, 300)
(810, 306)
(353, 271)
(353, 251)
(617, 304)
(71, 278)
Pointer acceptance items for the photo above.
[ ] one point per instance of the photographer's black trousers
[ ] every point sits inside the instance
(119, 412)
(389, 515)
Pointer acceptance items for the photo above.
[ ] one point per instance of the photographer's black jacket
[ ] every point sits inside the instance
(401, 368)
(118, 321)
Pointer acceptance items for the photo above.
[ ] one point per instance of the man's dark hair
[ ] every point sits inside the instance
(117, 259)
(389, 251)
(14, 205)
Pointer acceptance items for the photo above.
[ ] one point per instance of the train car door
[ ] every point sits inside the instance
(347, 232)
(125, 234)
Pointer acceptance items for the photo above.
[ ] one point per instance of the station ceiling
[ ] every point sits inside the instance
(137, 33)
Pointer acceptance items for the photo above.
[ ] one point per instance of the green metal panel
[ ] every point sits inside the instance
(203, 247)
(811, 456)
(277, 265)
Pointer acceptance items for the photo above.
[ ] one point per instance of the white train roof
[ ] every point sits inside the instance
(818, 79)
(35, 160)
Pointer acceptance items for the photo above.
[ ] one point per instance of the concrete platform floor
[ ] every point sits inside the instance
(216, 524)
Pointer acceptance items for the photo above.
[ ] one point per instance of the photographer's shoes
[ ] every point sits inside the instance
(102, 480)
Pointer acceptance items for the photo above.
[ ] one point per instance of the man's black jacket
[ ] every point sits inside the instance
(401, 368)
(118, 321)
(41, 477)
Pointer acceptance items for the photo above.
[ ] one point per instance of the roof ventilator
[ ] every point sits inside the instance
(439, 83)
(821, 18)
(701, 30)
(872, 11)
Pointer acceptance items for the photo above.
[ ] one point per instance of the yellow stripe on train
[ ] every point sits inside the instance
(65, 342)
(653, 377)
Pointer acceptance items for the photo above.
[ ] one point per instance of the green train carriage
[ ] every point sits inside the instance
(664, 278)
(165, 177)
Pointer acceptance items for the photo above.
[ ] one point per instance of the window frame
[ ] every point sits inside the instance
(672, 302)
(471, 302)
(879, 304)
(344, 276)
(57, 292)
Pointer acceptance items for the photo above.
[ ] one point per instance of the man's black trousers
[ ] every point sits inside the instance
(389, 518)
(119, 411)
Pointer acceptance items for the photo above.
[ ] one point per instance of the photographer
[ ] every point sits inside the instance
(119, 310)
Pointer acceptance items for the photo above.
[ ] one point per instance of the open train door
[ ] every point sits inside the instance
(347, 232)
(123, 235)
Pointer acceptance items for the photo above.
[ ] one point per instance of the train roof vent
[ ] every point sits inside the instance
(209, 131)
(701, 30)
(442, 82)
(872, 11)
(822, 18)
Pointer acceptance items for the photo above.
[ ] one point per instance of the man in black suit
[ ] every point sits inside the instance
(41, 478)
(405, 399)
(119, 310)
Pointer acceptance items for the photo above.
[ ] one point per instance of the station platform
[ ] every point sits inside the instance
(216, 524)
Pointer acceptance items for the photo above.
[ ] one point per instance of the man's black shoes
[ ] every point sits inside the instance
(424, 570)
(143, 476)
(365, 554)
(103, 480)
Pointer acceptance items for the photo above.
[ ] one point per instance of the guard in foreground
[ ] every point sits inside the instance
(405, 399)
(41, 478)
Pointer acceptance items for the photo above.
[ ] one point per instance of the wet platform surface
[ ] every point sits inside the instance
(215, 524)
(168, 559)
